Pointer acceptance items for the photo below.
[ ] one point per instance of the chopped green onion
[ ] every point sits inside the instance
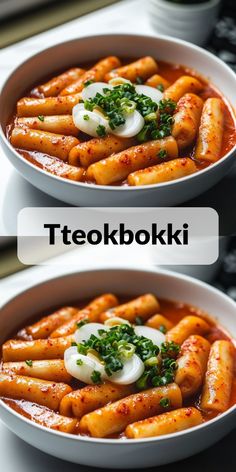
(106, 90)
(29, 362)
(169, 363)
(79, 362)
(151, 361)
(112, 347)
(139, 80)
(142, 383)
(162, 329)
(165, 402)
(160, 87)
(127, 106)
(89, 105)
(167, 105)
(127, 350)
(151, 117)
(41, 117)
(142, 136)
(156, 381)
(123, 99)
(96, 377)
(162, 153)
(101, 332)
(101, 131)
(81, 323)
(86, 117)
(82, 349)
(88, 82)
(170, 349)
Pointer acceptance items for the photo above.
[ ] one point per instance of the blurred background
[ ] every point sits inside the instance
(20, 19)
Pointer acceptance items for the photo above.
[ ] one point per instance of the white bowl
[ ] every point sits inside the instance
(77, 51)
(113, 453)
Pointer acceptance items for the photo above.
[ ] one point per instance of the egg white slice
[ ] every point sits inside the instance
(91, 90)
(89, 125)
(84, 333)
(134, 122)
(150, 92)
(133, 369)
(84, 371)
(71, 351)
(153, 334)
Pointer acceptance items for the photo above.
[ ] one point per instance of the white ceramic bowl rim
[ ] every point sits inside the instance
(124, 188)
(125, 442)
(193, 6)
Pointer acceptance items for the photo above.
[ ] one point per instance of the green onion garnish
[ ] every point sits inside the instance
(120, 342)
(160, 87)
(123, 99)
(139, 80)
(165, 402)
(151, 117)
(88, 82)
(81, 323)
(101, 131)
(96, 377)
(162, 153)
(162, 329)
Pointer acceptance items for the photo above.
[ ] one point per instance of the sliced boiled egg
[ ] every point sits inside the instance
(91, 90)
(89, 121)
(150, 92)
(132, 370)
(84, 333)
(119, 81)
(150, 333)
(115, 321)
(82, 367)
(134, 122)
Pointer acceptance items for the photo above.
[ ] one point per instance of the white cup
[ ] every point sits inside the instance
(192, 23)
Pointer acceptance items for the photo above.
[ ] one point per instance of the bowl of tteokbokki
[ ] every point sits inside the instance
(119, 368)
(120, 120)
